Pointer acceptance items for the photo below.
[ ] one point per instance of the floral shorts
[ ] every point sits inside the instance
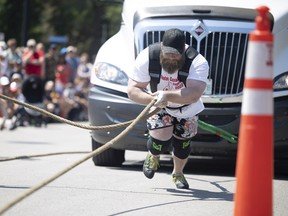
(183, 127)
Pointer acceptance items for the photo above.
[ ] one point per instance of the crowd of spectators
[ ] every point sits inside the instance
(62, 82)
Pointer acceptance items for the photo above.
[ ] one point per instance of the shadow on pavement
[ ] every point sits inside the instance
(151, 206)
(13, 187)
(202, 194)
(193, 194)
(29, 142)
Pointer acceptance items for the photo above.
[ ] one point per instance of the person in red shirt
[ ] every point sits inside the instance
(32, 60)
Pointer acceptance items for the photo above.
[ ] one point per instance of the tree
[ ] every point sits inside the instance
(79, 20)
(85, 22)
(12, 16)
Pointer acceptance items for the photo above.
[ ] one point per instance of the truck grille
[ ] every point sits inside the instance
(225, 53)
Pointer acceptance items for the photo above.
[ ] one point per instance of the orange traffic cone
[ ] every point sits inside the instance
(254, 169)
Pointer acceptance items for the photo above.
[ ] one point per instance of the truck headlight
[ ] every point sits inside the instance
(281, 82)
(110, 73)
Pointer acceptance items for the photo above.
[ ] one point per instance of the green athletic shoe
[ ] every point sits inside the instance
(180, 181)
(151, 164)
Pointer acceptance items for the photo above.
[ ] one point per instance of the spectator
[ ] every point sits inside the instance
(16, 110)
(16, 69)
(32, 60)
(4, 86)
(85, 67)
(67, 102)
(72, 60)
(13, 57)
(66, 76)
(8, 108)
(41, 50)
(63, 51)
(3, 45)
(3, 64)
(63, 74)
(51, 100)
(16, 77)
(50, 63)
(33, 91)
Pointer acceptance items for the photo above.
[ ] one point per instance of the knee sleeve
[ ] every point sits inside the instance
(157, 147)
(181, 148)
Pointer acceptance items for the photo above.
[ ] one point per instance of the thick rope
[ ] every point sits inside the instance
(90, 155)
(63, 120)
(203, 125)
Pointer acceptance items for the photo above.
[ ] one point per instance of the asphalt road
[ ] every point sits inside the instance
(91, 190)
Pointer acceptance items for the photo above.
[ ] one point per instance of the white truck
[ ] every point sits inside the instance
(219, 31)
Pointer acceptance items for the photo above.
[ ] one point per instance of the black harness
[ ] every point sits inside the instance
(155, 67)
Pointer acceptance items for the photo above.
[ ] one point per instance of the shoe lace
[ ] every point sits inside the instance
(153, 163)
(180, 178)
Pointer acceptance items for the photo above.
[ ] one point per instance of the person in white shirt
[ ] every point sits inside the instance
(176, 123)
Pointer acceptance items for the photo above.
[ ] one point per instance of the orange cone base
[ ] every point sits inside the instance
(254, 167)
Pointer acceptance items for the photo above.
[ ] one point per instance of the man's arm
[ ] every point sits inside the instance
(136, 92)
(191, 94)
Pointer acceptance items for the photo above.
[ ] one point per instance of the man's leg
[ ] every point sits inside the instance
(160, 130)
(185, 129)
(179, 164)
(181, 151)
(159, 142)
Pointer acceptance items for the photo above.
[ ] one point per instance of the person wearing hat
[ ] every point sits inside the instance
(177, 75)
(32, 60)
(14, 57)
(73, 60)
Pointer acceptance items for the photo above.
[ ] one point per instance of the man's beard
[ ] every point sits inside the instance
(171, 65)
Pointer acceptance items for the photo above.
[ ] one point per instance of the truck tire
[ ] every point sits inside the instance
(110, 157)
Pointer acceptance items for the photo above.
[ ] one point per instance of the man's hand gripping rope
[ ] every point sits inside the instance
(161, 100)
